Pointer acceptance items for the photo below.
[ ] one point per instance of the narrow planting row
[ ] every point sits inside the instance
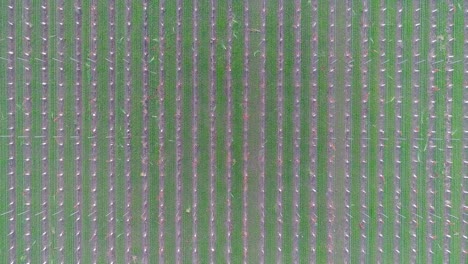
(364, 130)
(162, 133)
(145, 139)
(178, 167)
(229, 150)
(261, 197)
(448, 133)
(245, 129)
(296, 131)
(415, 130)
(398, 130)
(381, 130)
(127, 133)
(78, 150)
(93, 57)
(45, 222)
(464, 208)
(431, 132)
(60, 130)
(313, 127)
(331, 132)
(27, 148)
(195, 129)
(348, 126)
(213, 132)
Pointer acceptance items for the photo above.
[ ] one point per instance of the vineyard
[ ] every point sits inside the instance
(222, 131)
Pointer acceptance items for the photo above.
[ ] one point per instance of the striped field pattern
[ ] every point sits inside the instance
(221, 131)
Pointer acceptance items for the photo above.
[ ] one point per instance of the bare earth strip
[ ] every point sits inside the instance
(127, 129)
(27, 163)
(161, 133)
(464, 208)
(448, 134)
(415, 134)
(60, 130)
(245, 129)
(212, 99)
(195, 130)
(398, 132)
(78, 133)
(431, 130)
(45, 225)
(331, 132)
(229, 136)
(94, 140)
(178, 168)
(261, 197)
(364, 130)
(347, 124)
(381, 131)
(111, 136)
(313, 129)
(296, 130)
(11, 84)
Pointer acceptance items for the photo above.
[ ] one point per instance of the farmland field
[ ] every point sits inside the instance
(221, 131)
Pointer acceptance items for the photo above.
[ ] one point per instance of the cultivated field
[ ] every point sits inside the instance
(263, 131)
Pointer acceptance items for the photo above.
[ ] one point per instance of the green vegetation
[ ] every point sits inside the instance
(374, 64)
